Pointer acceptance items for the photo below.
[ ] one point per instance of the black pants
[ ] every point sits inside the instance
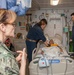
(30, 47)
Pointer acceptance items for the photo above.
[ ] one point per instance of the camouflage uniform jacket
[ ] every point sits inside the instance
(8, 64)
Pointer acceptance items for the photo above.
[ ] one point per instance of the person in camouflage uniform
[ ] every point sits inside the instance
(8, 63)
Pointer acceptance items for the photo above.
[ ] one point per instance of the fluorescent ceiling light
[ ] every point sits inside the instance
(54, 2)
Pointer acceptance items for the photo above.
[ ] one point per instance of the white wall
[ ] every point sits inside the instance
(19, 28)
(19, 44)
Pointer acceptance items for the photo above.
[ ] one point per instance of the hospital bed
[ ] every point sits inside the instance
(51, 61)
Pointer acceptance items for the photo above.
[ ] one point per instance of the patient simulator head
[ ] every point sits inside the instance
(51, 41)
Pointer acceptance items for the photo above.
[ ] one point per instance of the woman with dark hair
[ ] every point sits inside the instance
(34, 35)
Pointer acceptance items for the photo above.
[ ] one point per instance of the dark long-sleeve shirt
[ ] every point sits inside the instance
(73, 32)
(36, 33)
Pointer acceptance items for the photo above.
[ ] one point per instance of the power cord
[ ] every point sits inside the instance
(51, 66)
(66, 66)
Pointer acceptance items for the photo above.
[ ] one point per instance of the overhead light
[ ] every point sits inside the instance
(54, 2)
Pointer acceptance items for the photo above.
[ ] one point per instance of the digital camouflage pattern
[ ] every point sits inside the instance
(8, 64)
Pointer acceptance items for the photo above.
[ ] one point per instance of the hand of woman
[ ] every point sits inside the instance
(46, 43)
(22, 56)
(23, 62)
(18, 58)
